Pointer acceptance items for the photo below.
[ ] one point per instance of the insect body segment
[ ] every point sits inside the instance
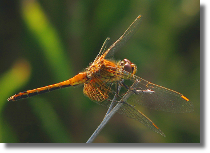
(76, 80)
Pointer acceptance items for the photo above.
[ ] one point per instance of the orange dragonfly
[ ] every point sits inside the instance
(102, 74)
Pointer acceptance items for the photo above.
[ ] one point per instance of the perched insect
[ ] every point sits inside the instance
(103, 73)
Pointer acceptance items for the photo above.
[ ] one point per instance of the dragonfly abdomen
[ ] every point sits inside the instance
(76, 80)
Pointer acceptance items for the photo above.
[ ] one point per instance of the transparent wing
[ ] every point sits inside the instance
(159, 98)
(133, 113)
(124, 38)
(103, 48)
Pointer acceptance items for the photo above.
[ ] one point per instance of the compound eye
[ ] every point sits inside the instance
(128, 68)
(127, 61)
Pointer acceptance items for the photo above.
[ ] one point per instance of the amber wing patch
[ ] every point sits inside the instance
(96, 91)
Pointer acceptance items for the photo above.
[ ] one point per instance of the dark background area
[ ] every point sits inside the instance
(44, 42)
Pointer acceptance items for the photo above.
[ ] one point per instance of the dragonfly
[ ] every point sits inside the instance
(103, 73)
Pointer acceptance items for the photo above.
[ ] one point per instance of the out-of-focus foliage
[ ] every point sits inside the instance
(45, 42)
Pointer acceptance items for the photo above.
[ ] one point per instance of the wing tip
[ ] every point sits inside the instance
(139, 16)
(185, 98)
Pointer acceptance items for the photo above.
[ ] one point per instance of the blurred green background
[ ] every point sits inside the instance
(45, 42)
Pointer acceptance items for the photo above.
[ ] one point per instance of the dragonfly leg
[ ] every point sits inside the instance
(137, 91)
(128, 88)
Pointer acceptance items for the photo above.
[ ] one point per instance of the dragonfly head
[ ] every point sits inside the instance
(128, 66)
